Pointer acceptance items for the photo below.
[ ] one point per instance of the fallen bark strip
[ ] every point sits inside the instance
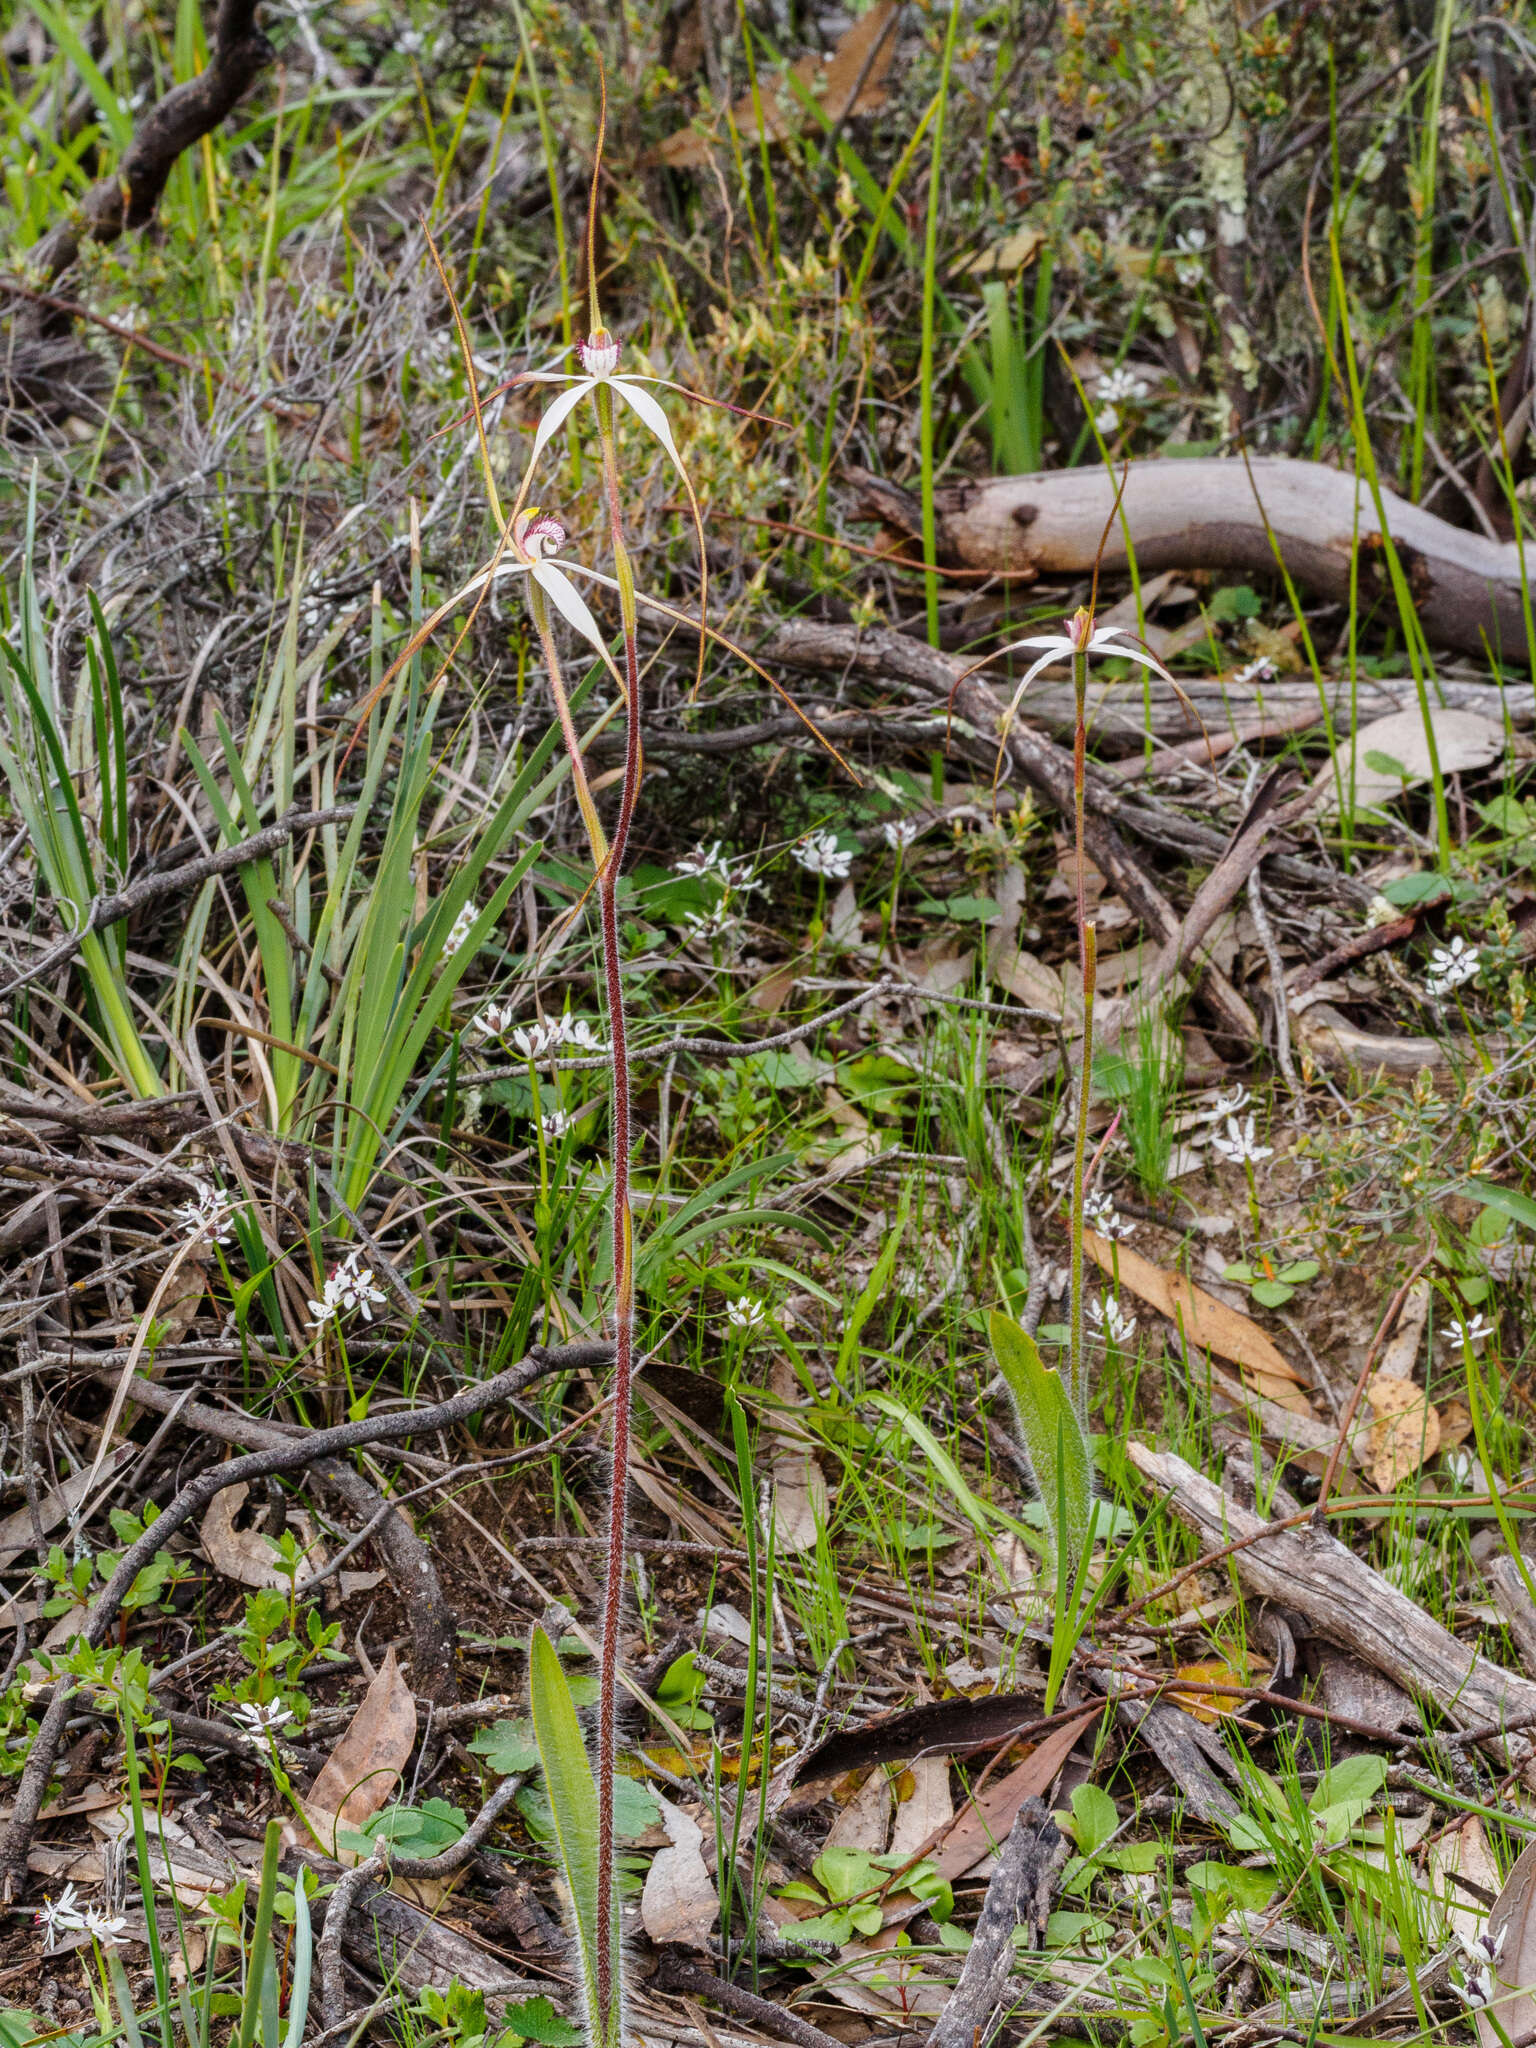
(891, 658)
(288, 1456)
(1347, 1603)
(1219, 512)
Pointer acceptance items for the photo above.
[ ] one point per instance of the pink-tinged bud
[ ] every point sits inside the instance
(1080, 628)
(598, 354)
(537, 535)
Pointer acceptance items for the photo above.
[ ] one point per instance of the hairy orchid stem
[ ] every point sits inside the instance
(1088, 943)
(1085, 1090)
(623, 1235)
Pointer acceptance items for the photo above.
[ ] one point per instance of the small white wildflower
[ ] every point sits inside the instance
(350, 1288)
(494, 1021)
(899, 833)
(258, 1718)
(1450, 966)
(1101, 1215)
(210, 1217)
(704, 860)
(1380, 911)
(59, 1916)
(458, 935)
(1116, 390)
(1475, 1330)
(1473, 1983)
(556, 1122)
(1189, 256)
(1110, 1320)
(1228, 1104)
(533, 1041)
(1260, 671)
(1464, 1472)
(745, 1312)
(702, 928)
(820, 854)
(1240, 1145)
(581, 1035)
(110, 1929)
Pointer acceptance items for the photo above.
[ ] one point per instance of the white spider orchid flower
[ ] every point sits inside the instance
(598, 356)
(1081, 637)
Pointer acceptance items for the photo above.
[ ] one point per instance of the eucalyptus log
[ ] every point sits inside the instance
(1234, 516)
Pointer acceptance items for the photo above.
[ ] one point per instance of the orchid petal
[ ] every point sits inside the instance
(570, 603)
(650, 414)
(557, 414)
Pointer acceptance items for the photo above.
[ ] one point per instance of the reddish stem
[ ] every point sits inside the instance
(623, 1260)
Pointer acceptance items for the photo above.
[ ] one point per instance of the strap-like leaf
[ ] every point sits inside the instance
(573, 1801)
(1053, 1435)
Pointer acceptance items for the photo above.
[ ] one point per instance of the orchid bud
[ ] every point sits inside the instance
(537, 535)
(1080, 628)
(599, 353)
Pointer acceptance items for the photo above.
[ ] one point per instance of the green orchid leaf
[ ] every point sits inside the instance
(1059, 1456)
(572, 1793)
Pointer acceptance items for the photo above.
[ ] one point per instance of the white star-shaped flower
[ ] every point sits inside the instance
(1450, 966)
(258, 1717)
(348, 1290)
(745, 1312)
(1111, 1321)
(820, 854)
(1240, 1145)
(1101, 1215)
(1475, 1330)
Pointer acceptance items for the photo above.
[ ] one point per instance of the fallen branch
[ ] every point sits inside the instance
(128, 195)
(1222, 513)
(1019, 1894)
(1345, 1602)
(289, 1456)
(151, 888)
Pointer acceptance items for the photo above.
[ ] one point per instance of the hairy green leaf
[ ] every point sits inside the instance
(1053, 1435)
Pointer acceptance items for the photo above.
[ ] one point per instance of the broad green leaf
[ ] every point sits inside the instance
(1094, 1818)
(572, 1794)
(1053, 1436)
(535, 2019)
(1355, 1782)
(1249, 1890)
(1299, 1272)
(1508, 1201)
(1272, 1293)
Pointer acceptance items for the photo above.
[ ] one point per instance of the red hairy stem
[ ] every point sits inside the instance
(623, 1243)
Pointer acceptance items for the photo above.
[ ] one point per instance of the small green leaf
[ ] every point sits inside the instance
(509, 1748)
(535, 2019)
(1240, 1271)
(1300, 1272)
(1409, 891)
(1094, 1818)
(1383, 764)
(1249, 1890)
(1272, 1293)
